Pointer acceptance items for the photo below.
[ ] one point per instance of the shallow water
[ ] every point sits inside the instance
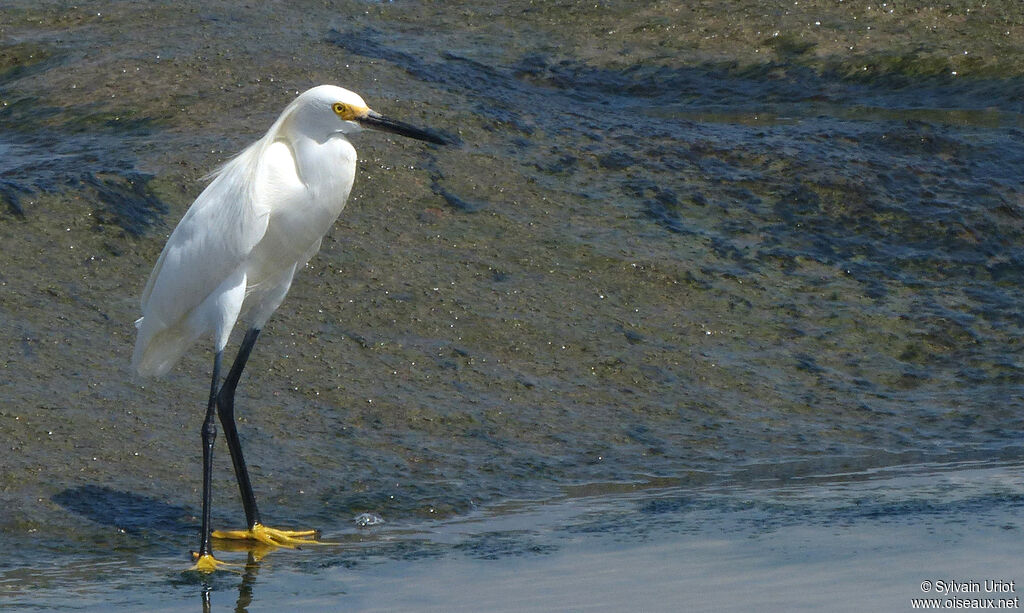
(852, 542)
(704, 287)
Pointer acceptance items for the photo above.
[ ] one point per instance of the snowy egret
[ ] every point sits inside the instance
(234, 254)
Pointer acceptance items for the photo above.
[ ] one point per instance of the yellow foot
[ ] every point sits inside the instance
(206, 563)
(272, 536)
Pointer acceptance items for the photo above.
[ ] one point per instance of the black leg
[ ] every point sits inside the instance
(226, 411)
(209, 434)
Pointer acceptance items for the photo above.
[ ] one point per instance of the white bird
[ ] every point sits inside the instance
(234, 254)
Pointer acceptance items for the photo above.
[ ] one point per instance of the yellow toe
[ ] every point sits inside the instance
(206, 563)
(272, 536)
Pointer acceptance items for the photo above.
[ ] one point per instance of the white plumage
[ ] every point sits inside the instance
(236, 250)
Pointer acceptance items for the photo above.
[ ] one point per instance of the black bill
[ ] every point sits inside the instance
(375, 121)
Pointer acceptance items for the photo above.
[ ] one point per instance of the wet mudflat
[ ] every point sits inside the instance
(679, 253)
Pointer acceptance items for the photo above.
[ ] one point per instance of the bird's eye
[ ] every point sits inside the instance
(341, 109)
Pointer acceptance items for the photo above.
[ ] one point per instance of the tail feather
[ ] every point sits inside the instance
(158, 348)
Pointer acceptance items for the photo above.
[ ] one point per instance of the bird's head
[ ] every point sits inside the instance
(327, 110)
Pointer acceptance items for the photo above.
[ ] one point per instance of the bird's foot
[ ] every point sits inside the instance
(272, 536)
(206, 563)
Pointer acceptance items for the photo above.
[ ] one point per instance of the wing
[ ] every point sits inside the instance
(209, 244)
